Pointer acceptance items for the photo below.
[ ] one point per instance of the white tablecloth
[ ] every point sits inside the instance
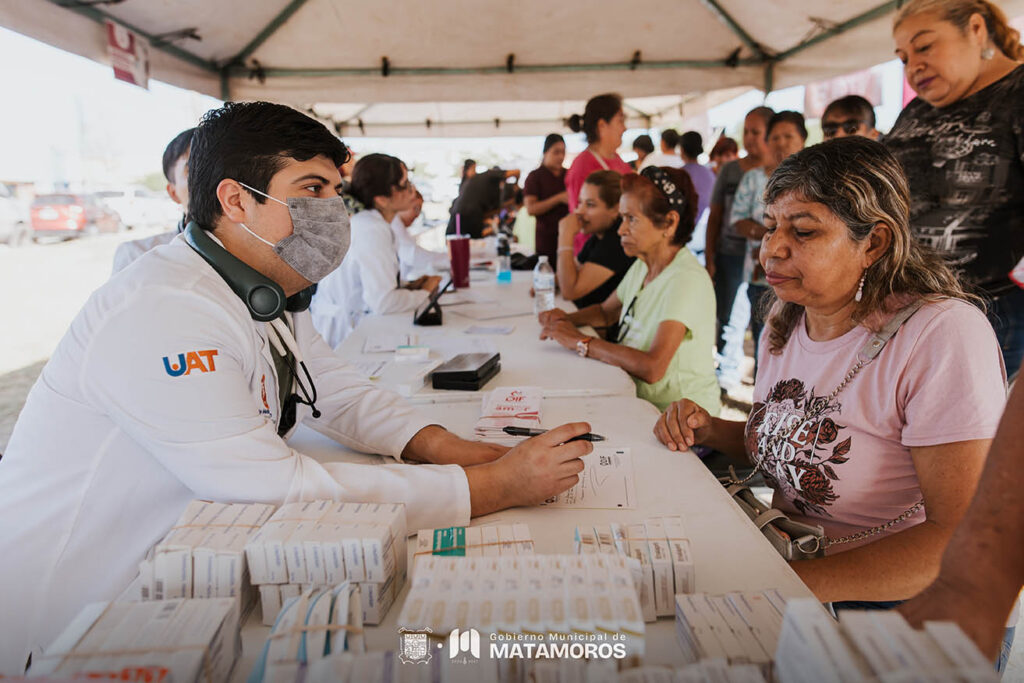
(730, 554)
(525, 360)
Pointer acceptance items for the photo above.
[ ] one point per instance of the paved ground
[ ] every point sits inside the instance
(45, 285)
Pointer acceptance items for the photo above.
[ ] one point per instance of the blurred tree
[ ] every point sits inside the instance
(153, 181)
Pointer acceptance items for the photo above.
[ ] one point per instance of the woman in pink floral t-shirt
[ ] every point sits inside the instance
(854, 445)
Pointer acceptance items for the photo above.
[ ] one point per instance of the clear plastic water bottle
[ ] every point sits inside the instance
(543, 286)
(504, 260)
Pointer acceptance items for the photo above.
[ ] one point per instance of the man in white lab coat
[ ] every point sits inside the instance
(175, 164)
(168, 387)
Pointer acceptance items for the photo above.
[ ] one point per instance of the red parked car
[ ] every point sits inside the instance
(72, 215)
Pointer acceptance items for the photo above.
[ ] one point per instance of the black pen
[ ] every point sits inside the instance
(523, 431)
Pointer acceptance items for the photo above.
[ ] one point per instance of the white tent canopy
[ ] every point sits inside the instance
(478, 67)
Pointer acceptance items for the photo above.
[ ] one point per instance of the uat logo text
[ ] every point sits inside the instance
(189, 361)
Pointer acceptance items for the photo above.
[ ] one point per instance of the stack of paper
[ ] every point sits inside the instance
(873, 645)
(554, 600)
(318, 623)
(203, 555)
(475, 541)
(739, 628)
(194, 640)
(664, 557)
(508, 407)
(323, 543)
(606, 482)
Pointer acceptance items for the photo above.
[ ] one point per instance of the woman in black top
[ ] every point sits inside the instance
(961, 143)
(595, 273)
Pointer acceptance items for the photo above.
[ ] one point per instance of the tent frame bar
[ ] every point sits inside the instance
(843, 27)
(235, 65)
(270, 29)
(715, 8)
(100, 16)
(272, 72)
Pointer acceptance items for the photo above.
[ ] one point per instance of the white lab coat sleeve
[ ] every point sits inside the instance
(378, 270)
(204, 427)
(125, 253)
(414, 259)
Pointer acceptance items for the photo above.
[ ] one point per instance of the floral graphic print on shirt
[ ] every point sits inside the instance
(797, 442)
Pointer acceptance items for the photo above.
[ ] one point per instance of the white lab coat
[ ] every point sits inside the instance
(128, 252)
(110, 447)
(413, 259)
(366, 282)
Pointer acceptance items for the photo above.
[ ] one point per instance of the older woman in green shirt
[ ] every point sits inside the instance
(665, 304)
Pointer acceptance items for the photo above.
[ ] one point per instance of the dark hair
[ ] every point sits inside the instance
(466, 165)
(375, 175)
(176, 149)
(959, 13)
(766, 113)
(794, 117)
(692, 144)
(654, 203)
(608, 184)
(862, 184)
(670, 138)
(853, 105)
(506, 192)
(551, 140)
(724, 145)
(250, 142)
(644, 144)
(600, 108)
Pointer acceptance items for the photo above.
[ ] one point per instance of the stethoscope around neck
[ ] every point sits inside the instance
(280, 336)
(263, 299)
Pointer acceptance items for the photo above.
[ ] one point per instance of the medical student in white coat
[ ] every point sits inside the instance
(175, 164)
(369, 280)
(414, 261)
(167, 388)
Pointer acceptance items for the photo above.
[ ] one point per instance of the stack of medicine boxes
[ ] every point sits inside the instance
(324, 543)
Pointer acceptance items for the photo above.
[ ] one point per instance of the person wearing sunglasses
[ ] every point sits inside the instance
(850, 115)
(665, 304)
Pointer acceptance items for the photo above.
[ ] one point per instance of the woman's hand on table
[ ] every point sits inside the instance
(683, 424)
(563, 332)
(550, 316)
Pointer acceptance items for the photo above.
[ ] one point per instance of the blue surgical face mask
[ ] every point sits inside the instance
(320, 234)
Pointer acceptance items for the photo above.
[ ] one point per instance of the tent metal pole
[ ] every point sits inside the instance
(272, 72)
(727, 19)
(358, 114)
(642, 113)
(277, 22)
(769, 77)
(870, 15)
(225, 85)
(99, 16)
